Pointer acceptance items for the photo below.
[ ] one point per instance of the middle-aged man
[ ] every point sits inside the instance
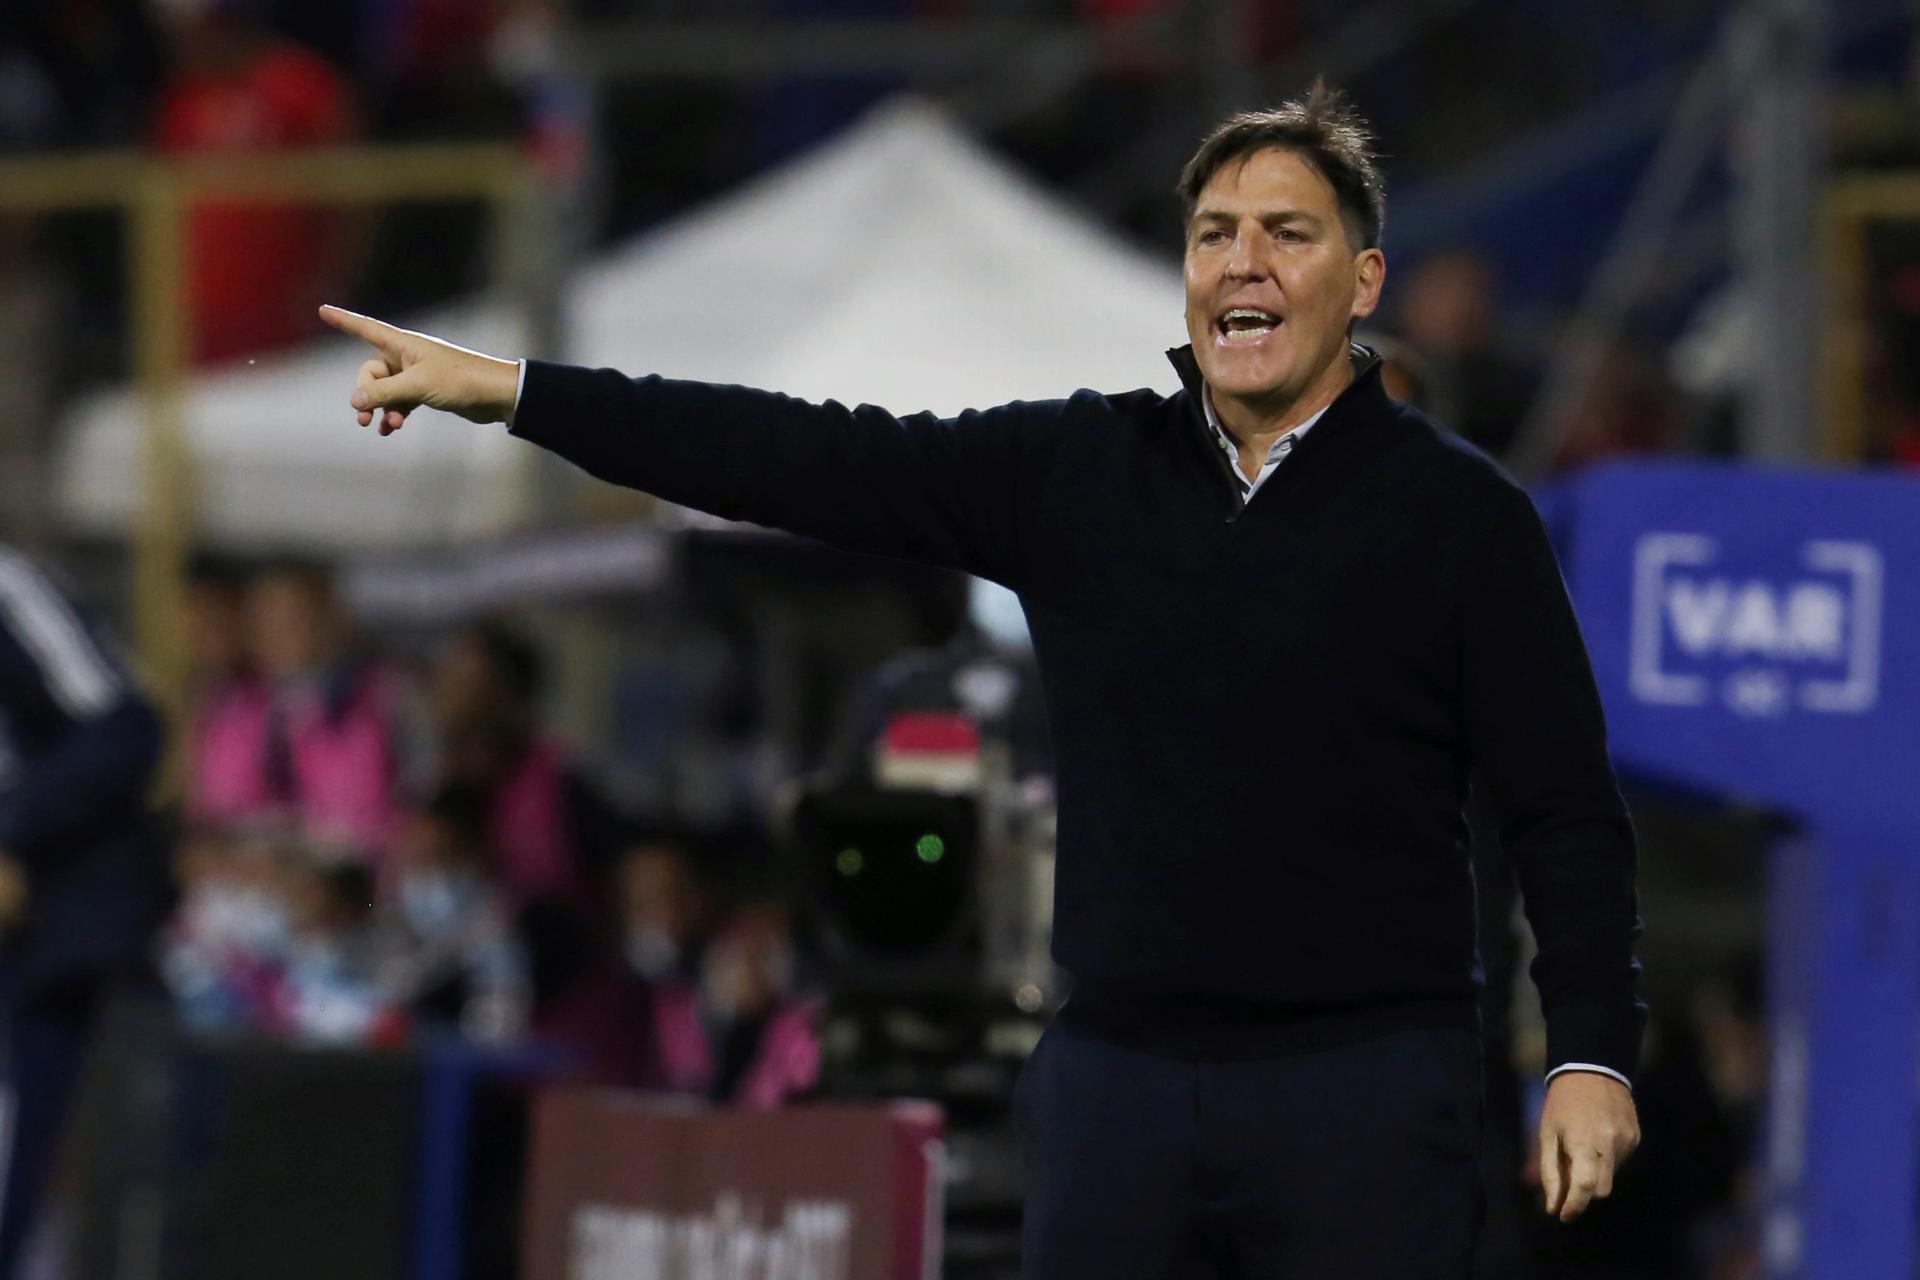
(1280, 618)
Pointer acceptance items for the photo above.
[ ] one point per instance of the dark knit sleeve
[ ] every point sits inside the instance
(1539, 743)
(958, 492)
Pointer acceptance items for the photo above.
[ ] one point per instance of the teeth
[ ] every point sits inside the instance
(1247, 324)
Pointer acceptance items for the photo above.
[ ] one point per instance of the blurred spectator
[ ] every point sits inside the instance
(762, 1036)
(665, 912)
(430, 47)
(331, 743)
(1449, 312)
(278, 936)
(255, 270)
(701, 1004)
(550, 831)
(524, 53)
(728, 1023)
(317, 738)
(611, 1012)
(216, 626)
(549, 834)
(226, 699)
(82, 876)
(667, 920)
(329, 992)
(449, 955)
(222, 952)
(75, 73)
(1631, 407)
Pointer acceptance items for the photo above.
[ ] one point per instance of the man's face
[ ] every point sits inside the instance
(1272, 281)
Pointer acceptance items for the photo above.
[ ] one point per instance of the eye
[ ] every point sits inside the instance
(1291, 235)
(1212, 236)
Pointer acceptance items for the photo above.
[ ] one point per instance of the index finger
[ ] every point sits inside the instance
(375, 332)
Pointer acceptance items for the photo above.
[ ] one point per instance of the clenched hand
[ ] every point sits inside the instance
(412, 369)
(1587, 1130)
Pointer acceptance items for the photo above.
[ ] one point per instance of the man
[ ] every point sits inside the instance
(552, 835)
(1448, 311)
(83, 884)
(1279, 617)
(252, 266)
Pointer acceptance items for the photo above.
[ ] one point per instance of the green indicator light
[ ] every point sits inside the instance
(849, 862)
(930, 848)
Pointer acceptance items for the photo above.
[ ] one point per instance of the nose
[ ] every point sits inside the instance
(1244, 262)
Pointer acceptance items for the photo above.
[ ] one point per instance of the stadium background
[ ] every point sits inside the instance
(1620, 234)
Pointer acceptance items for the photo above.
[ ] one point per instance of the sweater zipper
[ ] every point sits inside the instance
(1224, 467)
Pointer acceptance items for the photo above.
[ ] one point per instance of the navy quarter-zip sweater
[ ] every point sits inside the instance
(1264, 716)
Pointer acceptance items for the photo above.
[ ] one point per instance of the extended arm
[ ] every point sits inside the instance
(961, 492)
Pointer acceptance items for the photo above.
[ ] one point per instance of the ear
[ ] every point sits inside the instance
(1370, 273)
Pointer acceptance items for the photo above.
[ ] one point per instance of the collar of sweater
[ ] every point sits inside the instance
(1340, 427)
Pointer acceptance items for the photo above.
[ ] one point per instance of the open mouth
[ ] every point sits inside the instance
(1246, 326)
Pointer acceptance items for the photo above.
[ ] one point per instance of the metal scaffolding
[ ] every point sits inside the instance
(1778, 55)
(156, 197)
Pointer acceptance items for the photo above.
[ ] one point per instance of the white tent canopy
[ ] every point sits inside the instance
(898, 264)
(279, 463)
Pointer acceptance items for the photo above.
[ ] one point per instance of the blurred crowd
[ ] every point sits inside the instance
(372, 852)
(196, 78)
(1450, 347)
(203, 77)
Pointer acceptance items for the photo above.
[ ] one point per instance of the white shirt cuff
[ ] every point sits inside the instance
(520, 387)
(1589, 1066)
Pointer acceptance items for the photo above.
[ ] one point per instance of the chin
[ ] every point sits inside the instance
(1247, 384)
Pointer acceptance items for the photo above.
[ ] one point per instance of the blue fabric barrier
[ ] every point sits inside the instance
(1752, 631)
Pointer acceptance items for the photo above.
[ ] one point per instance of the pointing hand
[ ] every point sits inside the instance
(412, 369)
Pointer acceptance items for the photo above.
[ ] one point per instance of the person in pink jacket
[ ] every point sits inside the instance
(553, 836)
(315, 738)
(743, 1035)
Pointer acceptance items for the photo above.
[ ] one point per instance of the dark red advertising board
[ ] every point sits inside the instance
(628, 1187)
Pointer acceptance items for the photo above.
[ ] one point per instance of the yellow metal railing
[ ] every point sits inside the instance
(1853, 204)
(155, 195)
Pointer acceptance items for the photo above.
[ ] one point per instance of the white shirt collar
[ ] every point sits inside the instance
(1276, 452)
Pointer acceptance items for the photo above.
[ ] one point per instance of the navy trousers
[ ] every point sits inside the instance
(1353, 1163)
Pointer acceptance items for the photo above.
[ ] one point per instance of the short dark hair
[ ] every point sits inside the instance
(1324, 130)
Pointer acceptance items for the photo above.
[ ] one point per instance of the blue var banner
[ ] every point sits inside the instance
(1752, 631)
(1742, 624)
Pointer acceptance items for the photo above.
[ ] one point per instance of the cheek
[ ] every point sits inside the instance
(1196, 291)
(1201, 274)
(1323, 299)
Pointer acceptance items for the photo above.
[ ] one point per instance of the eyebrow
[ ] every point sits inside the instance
(1269, 217)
